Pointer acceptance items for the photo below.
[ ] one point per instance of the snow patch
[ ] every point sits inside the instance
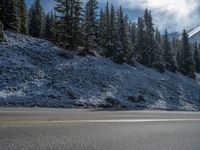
(5, 94)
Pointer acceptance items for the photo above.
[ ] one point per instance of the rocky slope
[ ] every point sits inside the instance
(34, 72)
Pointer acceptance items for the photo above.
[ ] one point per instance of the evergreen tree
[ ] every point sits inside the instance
(158, 43)
(62, 24)
(188, 65)
(170, 61)
(22, 13)
(101, 29)
(150, 44)
(2, 10)
(77, 24)
(36, 19)
(146, 48)
(176, 46)
(112, 45)
(122, 41)
(68, 26)
(133, 32)
(158, 36)
(50, 26)
(128, 47)
(9, 15)
(107, 25)
(91, 26)
(197, 58)
(139, 42)
(112, 22)
(43, 25)
(145, 44)
(2, 39)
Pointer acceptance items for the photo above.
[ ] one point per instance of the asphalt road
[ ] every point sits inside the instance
(61, 129)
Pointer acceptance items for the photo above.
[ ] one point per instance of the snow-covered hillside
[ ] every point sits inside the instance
(194, 31)
(34, 72)
(194, 34)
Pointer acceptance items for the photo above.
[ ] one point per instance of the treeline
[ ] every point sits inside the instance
(85, 29)
(13, 15)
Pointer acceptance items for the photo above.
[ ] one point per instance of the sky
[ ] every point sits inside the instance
(175, 15)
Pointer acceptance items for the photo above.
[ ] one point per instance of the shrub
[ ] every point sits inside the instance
(132, 99)
(159, 66)
(71, 95)
(112, 101)
(135, 99)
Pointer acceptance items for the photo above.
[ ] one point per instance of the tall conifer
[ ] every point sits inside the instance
(188, 65)
(36, 19)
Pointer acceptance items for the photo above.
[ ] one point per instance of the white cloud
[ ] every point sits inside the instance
(172, 14)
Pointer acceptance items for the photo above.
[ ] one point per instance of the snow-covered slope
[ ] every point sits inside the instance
(194, 31)
(34, 72)
(194, 34)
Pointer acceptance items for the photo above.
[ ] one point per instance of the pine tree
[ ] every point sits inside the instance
(176, 46)
(107, 25)
(22, 13)
(35, 19)
(133, 32)
(68, 26)
(121, 38)
(50, 26)
(170, 61)
(188, 65)
(110, 30)
(77, 24)
(158, 36)
(9, 15)
(2, 39)
(61, 24)
(112, 45)
(112, 22)
(2, 10)
(158, 44)
(43, 20)
(145, 45)
(91, 26)
(197, 58)
(139, 47)
(150, 44)
(101, 29)
(129, 50)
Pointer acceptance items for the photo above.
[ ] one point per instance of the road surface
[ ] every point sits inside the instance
(62, 129)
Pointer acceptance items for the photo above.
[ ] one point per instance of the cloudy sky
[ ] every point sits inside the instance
(171, 14)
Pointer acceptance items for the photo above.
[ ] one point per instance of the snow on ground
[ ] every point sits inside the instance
(34, 72)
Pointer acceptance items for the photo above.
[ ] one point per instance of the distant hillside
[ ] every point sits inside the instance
(173, 35)
(34, 72)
